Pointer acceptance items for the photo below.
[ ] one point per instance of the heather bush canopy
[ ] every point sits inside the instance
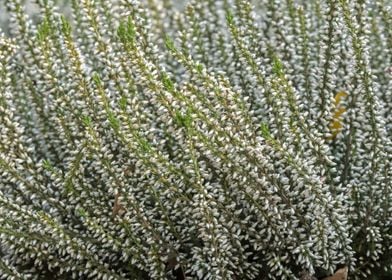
(211, 139)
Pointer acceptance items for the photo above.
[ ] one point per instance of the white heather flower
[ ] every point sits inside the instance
(159, 139)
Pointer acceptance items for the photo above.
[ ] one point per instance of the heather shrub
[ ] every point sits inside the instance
(222, 139)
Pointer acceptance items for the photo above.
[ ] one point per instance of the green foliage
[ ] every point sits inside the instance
(223, 139)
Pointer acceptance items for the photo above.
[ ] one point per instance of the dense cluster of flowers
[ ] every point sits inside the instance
(220, 140)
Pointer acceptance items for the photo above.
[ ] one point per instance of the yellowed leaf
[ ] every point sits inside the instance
(336, 124)
(118, 209)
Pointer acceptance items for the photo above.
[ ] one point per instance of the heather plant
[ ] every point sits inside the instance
(212, 139)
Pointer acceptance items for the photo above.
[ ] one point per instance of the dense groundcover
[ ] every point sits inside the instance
(208, 139)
